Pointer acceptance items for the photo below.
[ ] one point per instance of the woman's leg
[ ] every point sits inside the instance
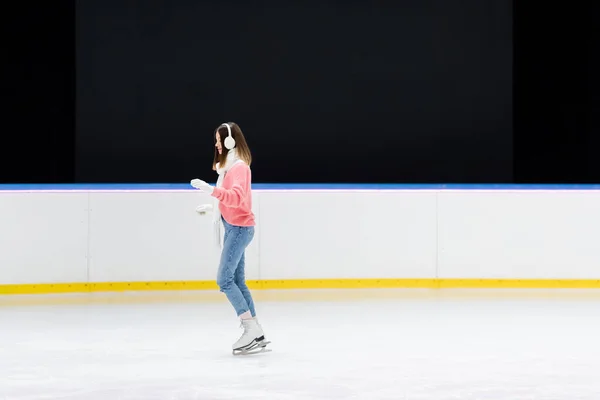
(240, 281)
(234, 244)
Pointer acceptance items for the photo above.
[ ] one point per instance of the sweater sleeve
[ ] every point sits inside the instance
(235, 196)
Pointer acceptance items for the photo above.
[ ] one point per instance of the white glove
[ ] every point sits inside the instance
(202, 209)
(201, 185)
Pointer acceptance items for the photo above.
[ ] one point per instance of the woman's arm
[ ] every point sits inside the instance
(235, 196)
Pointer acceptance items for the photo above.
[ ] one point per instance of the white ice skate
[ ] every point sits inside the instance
(252, 340)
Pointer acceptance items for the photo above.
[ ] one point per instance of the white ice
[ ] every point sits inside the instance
(386, 344)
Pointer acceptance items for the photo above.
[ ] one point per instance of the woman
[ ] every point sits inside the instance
(232, 161)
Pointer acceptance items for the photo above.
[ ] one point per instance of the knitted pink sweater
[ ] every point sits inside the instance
(235, 196)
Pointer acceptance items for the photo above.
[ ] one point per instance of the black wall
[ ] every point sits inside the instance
(556, 88)
(411, 91)
(37, 128)
(416, 91)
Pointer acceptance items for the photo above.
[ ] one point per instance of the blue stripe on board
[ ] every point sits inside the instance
(299, 186)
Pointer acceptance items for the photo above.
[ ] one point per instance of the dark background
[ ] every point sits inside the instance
(415, 91)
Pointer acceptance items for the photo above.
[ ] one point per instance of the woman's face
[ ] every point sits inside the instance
(218, 143)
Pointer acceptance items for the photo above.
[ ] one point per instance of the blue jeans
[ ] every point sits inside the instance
(231, 276)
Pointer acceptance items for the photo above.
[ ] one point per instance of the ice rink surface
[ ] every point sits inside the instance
(337, 344)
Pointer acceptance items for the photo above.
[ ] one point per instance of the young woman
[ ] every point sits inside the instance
(232, 161)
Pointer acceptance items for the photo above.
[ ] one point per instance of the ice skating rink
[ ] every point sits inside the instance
(327, 344)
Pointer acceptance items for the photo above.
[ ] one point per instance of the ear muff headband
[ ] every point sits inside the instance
(229, 141)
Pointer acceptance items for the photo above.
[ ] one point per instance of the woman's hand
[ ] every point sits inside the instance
(201, 185)
(202, 209)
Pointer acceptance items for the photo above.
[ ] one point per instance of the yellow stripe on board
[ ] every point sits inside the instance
(49, 288)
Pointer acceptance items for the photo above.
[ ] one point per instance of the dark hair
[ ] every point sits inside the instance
(241, 146)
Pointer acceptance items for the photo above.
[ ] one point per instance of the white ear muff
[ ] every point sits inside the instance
(229, 141)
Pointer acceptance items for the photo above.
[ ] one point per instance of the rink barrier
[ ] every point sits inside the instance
(306, 284)
(290, 187)
(440, 236)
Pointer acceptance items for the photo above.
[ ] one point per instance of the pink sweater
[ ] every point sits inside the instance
(235, 196)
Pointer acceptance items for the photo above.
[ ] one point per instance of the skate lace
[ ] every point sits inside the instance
(246, 332)
(245, 328)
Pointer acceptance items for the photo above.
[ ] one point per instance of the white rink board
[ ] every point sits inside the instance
(535, 235)
(43, 237)
(157, 236)
(348, 235)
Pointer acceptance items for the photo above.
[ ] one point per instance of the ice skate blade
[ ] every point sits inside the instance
(256, 349)
(250, 352)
